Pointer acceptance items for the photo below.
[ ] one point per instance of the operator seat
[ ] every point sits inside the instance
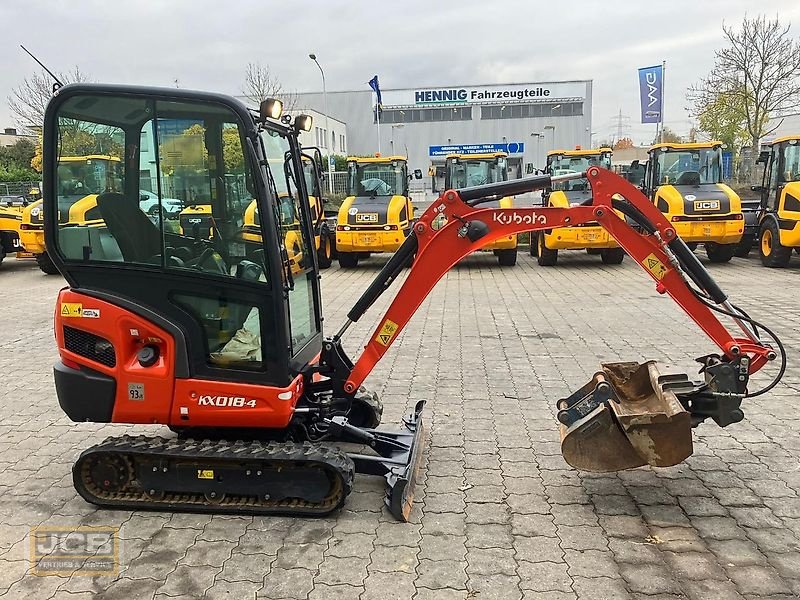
(138, 238)
(688, 178)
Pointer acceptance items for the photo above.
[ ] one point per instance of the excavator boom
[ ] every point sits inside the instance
(630, 414)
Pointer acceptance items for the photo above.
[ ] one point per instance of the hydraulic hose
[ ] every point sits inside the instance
(402, 257)
(688, 260)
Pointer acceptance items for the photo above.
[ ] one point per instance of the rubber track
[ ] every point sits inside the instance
(133, 497)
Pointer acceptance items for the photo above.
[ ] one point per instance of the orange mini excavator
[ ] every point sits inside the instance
(220, 338)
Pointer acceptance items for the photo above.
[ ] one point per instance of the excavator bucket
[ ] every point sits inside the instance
(625, 417)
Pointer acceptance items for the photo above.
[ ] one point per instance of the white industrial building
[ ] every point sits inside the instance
(427, 123)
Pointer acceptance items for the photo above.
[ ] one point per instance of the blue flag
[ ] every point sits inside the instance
(651, 93)
(373, 83)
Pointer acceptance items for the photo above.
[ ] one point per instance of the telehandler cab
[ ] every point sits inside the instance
(590, 236)
(465, 170)
(216, 337)
(779, 217)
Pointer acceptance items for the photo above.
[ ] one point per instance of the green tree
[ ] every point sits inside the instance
(667, 136)
(756, 74)
(722, 120)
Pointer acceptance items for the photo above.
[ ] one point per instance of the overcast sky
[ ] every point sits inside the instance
(205, 44)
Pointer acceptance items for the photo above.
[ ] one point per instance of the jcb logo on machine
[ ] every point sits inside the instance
(367, 218)
(706, 204)
(225, 401)
(195, 221)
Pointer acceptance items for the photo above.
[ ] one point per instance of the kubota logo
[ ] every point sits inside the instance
(514, 218)
(225, 401)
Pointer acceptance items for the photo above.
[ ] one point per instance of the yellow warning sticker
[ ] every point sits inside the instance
(387, 332)
(69, 309)
(205, 474)
(655, 266)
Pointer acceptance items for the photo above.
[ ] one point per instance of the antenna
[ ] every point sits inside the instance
(57, 83)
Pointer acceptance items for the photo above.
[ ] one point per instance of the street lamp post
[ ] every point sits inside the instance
(553, 129)
(538, 137)
(391, 141)
(313, 57)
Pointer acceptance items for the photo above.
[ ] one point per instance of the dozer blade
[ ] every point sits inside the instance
(625, 418)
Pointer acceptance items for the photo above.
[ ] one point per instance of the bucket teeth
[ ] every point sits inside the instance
(624, 418)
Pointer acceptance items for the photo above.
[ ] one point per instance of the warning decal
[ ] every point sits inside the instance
(386, 332)
(655, 266)
(69, 309)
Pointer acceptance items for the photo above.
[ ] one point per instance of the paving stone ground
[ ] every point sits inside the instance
(498, 513)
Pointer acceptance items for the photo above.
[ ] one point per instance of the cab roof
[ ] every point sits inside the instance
(785, 138)
(375, 159)
(688, 146)
(585, 152)
(87, 157)
(479, 156)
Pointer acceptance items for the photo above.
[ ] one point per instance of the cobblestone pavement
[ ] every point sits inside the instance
(498, 514)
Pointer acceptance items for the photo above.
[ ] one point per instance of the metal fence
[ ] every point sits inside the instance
(17, 188)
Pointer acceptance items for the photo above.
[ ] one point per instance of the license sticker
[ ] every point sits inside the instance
(655, 266)
(387, 332)
(70, 309)
(135, 391)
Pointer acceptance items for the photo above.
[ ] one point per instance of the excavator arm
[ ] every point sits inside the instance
(630, 414)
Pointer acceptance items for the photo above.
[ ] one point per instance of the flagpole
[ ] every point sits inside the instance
(378, 120)
(663, 79)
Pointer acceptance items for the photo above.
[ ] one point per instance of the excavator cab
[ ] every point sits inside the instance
(465, 170)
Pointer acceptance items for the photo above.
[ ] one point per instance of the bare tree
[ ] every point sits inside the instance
(260, 83)
(28, 101)
(756, 76)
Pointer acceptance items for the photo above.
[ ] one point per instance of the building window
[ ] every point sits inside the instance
(333, 140)
(342, 147)
(539, 109)
(425, 115)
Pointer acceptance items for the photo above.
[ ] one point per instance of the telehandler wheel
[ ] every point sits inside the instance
(612, 256)
(720, 253)
(507, 258)
(46, 264)
(534, 244)
(325, 251)
(594, 251)
(744, 247)
(348, 260)
(2, 254)
(773, 253)
(547, 257)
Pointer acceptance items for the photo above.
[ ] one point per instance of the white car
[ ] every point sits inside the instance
(148, 202)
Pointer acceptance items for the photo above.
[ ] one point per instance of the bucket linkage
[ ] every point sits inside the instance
(634, 414)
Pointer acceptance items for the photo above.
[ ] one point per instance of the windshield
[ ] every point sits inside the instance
(689, 167)
(376, 179)
(791, 163)
(89, 176)
(561, 164)
(468, 172)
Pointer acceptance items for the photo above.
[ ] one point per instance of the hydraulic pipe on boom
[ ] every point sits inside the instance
(672, 403)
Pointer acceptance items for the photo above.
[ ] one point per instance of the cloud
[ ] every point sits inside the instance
(206, 44)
